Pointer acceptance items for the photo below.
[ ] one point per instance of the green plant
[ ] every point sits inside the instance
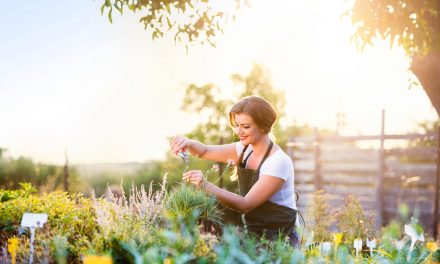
(69, 216)
(434, 257)
(186, 199)
(352, 221)
(139, 228)
(318, 216)
(60, 246)
(26, 190)
(126, 218)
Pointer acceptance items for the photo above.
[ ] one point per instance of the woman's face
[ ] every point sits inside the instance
(246, 129)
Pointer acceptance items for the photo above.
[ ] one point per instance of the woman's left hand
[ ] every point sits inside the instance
(195, 177)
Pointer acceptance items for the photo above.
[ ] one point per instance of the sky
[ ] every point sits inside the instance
(105, 92)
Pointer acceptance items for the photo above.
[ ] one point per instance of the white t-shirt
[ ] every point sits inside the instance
(277, 165)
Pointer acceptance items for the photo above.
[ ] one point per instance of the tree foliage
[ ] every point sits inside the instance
(188, 20)
(207, 101)
(412, 24)
(45, 177)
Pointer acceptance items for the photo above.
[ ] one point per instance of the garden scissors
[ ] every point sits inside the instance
(183, 153)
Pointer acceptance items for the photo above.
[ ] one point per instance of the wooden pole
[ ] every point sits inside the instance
(380, 176)
(317, 150)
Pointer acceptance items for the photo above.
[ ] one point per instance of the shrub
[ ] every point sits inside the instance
(128, 218)
(318, 216)
(70, 216)
(352, 221)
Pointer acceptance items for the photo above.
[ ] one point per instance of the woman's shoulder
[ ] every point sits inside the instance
(280, 156)
(239, 147)
(279, 165)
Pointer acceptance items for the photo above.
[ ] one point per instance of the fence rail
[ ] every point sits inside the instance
(385, 172)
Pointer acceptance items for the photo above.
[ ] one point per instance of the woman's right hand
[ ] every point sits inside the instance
(179, 143)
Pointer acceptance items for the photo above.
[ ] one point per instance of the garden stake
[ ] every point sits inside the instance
(410, 231)
(326, 247)
(400, 244)
(357, 244)
(371, 244)
(33, 221)
(309, 238)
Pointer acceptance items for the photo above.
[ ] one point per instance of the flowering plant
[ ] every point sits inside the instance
(216, 168)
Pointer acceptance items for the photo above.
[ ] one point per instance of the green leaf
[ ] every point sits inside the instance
(110, 16)
(102, 9)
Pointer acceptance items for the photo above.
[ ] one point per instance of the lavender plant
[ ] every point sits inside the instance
(130, 217)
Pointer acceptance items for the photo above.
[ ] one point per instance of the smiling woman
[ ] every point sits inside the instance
(265, 172)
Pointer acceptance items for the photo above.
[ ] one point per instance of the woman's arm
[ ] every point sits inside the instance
(220, 153)
(262, 190)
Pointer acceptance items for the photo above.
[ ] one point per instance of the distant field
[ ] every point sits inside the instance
(91, 170)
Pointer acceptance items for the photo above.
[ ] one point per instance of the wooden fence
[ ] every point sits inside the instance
(382, 170)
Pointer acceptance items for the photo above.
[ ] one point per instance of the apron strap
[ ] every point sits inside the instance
(240, 160)
(242, 154)
(266, 155)
(246, 159)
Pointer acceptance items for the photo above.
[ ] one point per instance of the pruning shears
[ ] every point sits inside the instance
(183, 153)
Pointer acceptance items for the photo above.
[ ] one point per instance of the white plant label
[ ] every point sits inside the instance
(357, 244)
(411, 232)
(33, 220)
(326, 247)
(371, 244)
(309, 239)
(400, 244)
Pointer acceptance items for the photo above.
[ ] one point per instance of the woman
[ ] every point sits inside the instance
(265, 172)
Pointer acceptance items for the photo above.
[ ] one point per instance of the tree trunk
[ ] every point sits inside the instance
(427, 70)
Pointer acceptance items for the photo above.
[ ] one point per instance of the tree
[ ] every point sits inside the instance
(207, 101)
(414, 25)
(189, 20)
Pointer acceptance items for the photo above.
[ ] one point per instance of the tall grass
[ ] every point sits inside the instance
(185, 200)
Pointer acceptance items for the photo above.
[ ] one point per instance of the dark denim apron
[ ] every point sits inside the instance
(268, 219)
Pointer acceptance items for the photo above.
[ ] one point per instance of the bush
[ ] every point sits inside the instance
(70, 216)
(352, 221)
(157, 227)
(318, 216)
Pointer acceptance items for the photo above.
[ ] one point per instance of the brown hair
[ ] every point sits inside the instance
(261, 111)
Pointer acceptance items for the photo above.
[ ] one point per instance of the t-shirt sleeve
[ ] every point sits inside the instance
(239, 148)
(279, 166)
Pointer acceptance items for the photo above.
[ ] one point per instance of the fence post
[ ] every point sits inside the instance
(380, 176)
(290, 147)
(317, 150)
(437, 187)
